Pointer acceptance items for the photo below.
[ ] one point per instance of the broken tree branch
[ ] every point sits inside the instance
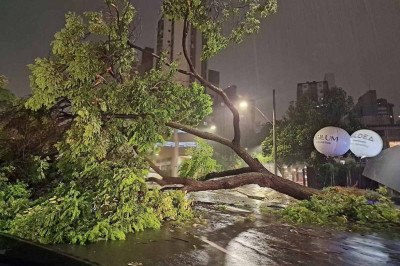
(263, 180)
(205, 82)
(226, 173)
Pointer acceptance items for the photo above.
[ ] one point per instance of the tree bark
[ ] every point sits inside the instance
(263, 180)
(226, 173)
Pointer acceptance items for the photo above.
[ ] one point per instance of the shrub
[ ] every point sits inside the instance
(13, 199)
(109, 210)
(340, 206)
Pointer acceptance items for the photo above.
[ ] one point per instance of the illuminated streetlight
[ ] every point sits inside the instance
(243, 104)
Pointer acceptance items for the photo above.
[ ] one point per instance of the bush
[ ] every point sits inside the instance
(343, 206)
(14, 198)
(109, 210)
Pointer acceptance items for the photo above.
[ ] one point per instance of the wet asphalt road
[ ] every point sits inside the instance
(238, 234)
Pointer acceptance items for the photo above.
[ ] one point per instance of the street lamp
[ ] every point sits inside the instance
(244, 105)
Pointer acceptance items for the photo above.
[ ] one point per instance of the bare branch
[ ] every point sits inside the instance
(155, 168)
(239, 150)
(201, 134)
(134, 46)
(227, 101)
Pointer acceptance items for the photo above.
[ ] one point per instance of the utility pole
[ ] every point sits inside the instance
(274, 130)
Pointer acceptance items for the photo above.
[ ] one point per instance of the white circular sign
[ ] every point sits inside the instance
(332, 141)
(366, 143)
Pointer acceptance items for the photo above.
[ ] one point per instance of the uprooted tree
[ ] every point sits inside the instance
(111, 118)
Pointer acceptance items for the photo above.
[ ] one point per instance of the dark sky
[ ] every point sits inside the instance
(358, 40)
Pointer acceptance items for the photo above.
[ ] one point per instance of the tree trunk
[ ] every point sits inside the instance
(262, 179)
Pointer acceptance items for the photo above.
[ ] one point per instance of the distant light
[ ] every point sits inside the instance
(157, 154)
(243, 104)
(213, 127)
(182, 144)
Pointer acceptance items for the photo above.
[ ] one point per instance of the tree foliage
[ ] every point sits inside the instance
(99, 190)
(83, 135)
(7, 99)
(213, 17)
(339, 206)
(295, 132)
(200, 162)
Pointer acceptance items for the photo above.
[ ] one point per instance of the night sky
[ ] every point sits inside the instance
(358, 40)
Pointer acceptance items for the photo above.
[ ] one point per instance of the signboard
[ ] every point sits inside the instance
(332, 141)
(366, 143)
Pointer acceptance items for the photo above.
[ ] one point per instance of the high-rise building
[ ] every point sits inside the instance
(373, 111)
(377, 114)
(314, 90)
(385, 109)
(169, 40)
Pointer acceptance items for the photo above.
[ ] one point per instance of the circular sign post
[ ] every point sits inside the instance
(366, 143)
(332, 141)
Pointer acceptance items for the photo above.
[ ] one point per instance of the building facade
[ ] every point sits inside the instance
(169, 41)
(377, 114)
(314, 90)
(373, 111)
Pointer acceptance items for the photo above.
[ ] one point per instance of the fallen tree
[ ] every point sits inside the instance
(109, 120)
(105, 71)
(256, 172)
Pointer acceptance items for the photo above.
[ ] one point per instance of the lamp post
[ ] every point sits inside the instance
(274, 130)
(244, 105)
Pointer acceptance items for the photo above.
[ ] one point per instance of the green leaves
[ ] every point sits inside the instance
(200, 162)
(7, 98)
(14, 198)
(93, 114)
(340, 206)
(220, 22)
(303, 119)
(46, 82)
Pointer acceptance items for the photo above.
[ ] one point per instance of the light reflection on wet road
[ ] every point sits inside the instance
(240, 238)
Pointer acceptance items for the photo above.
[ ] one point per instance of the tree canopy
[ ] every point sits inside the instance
(295, 132)
(88, 130)
(7, 99)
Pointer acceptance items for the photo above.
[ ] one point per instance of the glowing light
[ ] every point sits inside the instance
(243, 104)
